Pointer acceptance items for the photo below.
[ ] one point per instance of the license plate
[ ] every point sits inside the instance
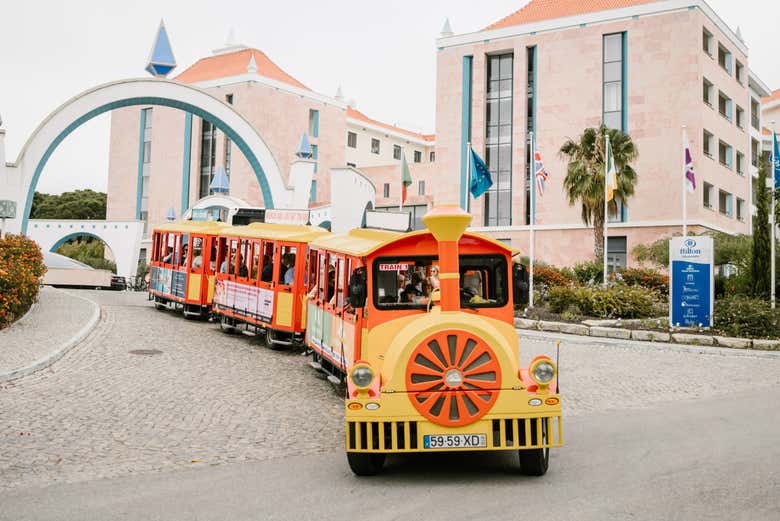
(454, 441)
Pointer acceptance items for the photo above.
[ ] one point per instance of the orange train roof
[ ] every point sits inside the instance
(540, 10)
(234, 64)
(356, 114)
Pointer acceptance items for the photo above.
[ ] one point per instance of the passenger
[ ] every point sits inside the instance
(267, 274)
(168, 256)
(223, 268)
(243, 271)
(288, 261)
(197, 262)
(433, 279)
(331, 280)
(184, 251)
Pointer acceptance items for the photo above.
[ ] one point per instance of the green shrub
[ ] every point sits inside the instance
(648, 278)
(90, 252)
(617, 301)
(560, 298)
(21, 267)
(742, 316)
(589, 272)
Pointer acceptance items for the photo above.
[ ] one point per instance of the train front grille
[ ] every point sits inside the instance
(382, 436)
(527, 433)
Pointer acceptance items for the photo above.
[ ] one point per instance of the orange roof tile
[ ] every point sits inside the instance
(538, 10)
(356, 114)
(233, 64)
(772, 97)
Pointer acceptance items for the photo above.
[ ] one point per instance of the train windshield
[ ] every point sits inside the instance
(407, 282)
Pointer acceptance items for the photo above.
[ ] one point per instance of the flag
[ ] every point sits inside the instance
(690, 179)
(481, 179)
(610, 173)
(541, 173)
(406, 177)
(776, 160)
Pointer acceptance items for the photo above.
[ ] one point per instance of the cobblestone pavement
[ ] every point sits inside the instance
(55, 319)
(211, 398)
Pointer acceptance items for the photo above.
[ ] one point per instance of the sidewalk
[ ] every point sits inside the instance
(59, 321)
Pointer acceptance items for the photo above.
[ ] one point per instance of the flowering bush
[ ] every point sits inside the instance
(617, 301)
(551, 276)
(21, 267)
(647, 278)
(742, 316)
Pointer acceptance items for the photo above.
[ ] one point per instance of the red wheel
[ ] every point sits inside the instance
(453, 378)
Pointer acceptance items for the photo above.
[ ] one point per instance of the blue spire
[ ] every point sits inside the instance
(304, 149)
(161, 60)
(171, 215)
(220, 183)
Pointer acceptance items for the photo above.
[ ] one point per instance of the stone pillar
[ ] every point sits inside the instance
(299, 183)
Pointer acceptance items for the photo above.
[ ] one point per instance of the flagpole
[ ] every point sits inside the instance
(532, 179)
(684, 187)
(468, 183)
(606, 204)
(772, 217)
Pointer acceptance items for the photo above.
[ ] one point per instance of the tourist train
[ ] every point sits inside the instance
(419, 326)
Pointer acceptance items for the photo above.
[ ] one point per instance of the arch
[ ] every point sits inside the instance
(56, 245)
(153, 91)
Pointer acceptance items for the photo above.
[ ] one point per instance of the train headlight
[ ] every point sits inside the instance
(542, 371)
(362, 376)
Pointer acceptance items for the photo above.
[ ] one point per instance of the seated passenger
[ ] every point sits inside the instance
(168, 256)
(243, 271)
(288, 261)
(184, 251)
(267, 273)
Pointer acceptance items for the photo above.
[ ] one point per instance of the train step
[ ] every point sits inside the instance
(334, 379)
(316, 365)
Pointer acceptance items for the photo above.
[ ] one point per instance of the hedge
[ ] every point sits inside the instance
(21, 267)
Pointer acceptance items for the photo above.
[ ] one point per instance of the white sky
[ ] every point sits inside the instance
(382, 53)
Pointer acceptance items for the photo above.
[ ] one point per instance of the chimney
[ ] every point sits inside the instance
(447, 223)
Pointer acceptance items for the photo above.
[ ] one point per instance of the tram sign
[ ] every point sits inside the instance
(691, 281)
(287, 216)
(391, 220)
(7, 209)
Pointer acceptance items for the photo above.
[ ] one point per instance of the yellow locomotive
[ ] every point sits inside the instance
(421, 325)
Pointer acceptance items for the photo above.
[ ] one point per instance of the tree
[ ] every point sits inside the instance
(79, 204)
(759, 260)
(584, 182)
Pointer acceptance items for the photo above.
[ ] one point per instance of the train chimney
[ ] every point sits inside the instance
(447, 223)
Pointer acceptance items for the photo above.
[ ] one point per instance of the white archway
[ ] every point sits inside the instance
(19, 179)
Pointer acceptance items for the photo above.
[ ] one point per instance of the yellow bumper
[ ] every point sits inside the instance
(506, 427)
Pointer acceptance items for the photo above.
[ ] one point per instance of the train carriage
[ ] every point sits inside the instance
(421, 326)
(261, 283)
(182, 269)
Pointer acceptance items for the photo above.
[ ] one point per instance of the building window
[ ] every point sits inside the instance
(313, 192)
(420, 187)
(530, 124)
(498, 143)
(351, 140)
(374, 145)
(315, 154)
(613, 80)
(755, 109)
(707, 144)
(740, 117)
(146, 160)
(396, 151)
(725, 154)
(432, 157)
(147, 152)
(617, 253)
(755, 152)
(724, 58)
(740, 209)
(739, 71)
(709, 194)
(229, 99)
(228, 156)
(706, 42)
(386, 190)
(740, 163)
(724, 106)
(417, 156)
(707, 88)
(314, 123)
(725, 201)
(208, 145)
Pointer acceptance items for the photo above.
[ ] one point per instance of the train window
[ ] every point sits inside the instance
(330, 287)
(221, 258)
(267, 270)
(255, 260)
(167, 248)
(177, 249)
(244, 254)
(404, 282)
(322, 262)
(483, 280)
(311, 274)
(197, 254)
(287, 271)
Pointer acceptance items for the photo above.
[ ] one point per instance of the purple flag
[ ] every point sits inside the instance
(690, 178)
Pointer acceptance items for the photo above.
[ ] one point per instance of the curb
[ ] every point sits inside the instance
(58, 353)
(538, 333)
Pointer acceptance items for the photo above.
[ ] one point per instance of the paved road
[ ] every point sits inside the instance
(218, 428)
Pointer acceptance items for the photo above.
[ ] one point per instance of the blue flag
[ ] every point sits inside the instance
(481, 179)
(776, 160)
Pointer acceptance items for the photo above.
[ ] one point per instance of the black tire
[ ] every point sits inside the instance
(366, 463)
(535, 462)
(159, 307)
(224, 326)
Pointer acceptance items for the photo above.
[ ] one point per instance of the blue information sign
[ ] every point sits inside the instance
(691, 281)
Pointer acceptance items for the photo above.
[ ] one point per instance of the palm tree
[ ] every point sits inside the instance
(584, 182)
